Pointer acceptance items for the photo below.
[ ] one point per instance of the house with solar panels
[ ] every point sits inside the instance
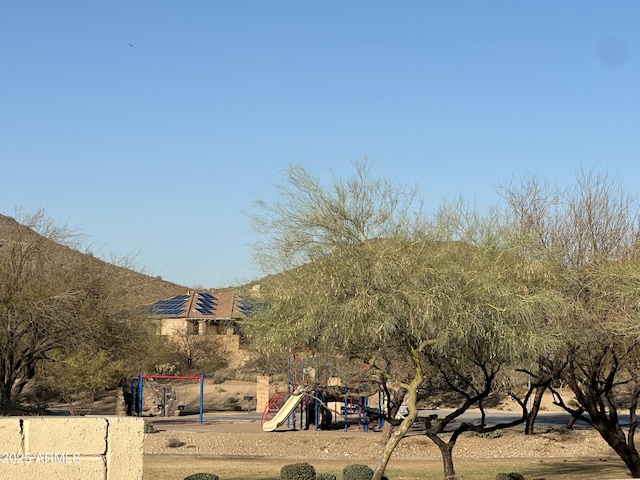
(203, 313)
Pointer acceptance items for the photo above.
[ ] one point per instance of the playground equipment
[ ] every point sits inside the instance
(281, 413)
(319, 406)
(164, 400)
(310, 402)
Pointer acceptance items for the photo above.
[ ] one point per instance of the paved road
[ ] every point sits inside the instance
(498, 416)
(493, 417)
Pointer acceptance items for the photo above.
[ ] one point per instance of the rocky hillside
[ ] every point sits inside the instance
(147, 289)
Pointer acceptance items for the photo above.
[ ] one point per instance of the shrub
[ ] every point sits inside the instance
(509, 476)
(326, 476)
(357, 471)
(222, 375)
(298, 471)
(493, 434)
(149, 427)
(202, 476)
(232, 403)
(174, 442)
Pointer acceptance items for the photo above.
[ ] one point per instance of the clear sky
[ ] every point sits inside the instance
(153, 125)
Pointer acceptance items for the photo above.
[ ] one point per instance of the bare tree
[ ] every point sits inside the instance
(38, 304)
(196, 353)
(55, 302)
(588, 237)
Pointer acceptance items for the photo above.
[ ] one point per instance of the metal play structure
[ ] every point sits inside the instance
(323, 406)
(322, 401)
(164, 398)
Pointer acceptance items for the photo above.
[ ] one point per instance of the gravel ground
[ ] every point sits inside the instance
(246, 438)
(240, 434)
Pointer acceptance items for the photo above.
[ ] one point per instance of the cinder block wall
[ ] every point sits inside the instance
(70, 448)
(262, 393)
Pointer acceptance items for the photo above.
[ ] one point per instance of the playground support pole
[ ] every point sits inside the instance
(365, 413)
(380, 408)
(133, 389)
(140, 380)
(316, 404)
(346, 409)
(201, 395)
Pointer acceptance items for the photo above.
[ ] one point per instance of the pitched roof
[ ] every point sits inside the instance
(202, 305)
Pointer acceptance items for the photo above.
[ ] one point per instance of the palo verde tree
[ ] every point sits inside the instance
(588, 237)
(493, 320)
(78, 376)
(363, 273)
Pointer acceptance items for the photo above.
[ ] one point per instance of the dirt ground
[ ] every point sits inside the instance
(219, 436)
(232, 444)
(240, 434)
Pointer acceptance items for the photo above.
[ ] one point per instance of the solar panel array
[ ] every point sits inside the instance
(170, 308)
(246, 308)
(205, 304)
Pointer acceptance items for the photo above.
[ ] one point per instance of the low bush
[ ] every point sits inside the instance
(509, 476)
(493, 434)
(174, 442)
(357, 471)
(149, 427)
(326, 476)
(202, 476)
(298, 471)
(222, 375)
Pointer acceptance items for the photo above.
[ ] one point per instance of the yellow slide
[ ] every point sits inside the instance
(292, 402)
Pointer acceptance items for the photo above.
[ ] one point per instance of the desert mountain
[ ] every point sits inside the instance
(148, 289)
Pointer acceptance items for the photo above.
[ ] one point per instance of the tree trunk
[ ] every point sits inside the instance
(629, 456)
(446, 450)
(15, 378)
(617, 442)
(398, 433)
(387, 430)
(6, 390)
(5, 395)
(535, 409)
(394, 438)
(633, 463)
(574, 418)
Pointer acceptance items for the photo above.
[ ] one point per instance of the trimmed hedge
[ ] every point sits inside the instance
(298, 471)
(326, 476)
(202, 476)
(509, 476)
(357, 472)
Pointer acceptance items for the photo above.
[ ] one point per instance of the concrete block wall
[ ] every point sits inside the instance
(70, 448)
(262, 393)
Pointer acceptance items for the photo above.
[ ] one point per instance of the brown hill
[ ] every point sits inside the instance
(147, 289)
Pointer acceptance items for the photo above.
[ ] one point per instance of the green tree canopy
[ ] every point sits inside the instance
(370, 273)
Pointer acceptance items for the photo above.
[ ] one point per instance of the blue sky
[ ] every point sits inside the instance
(158, 149)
